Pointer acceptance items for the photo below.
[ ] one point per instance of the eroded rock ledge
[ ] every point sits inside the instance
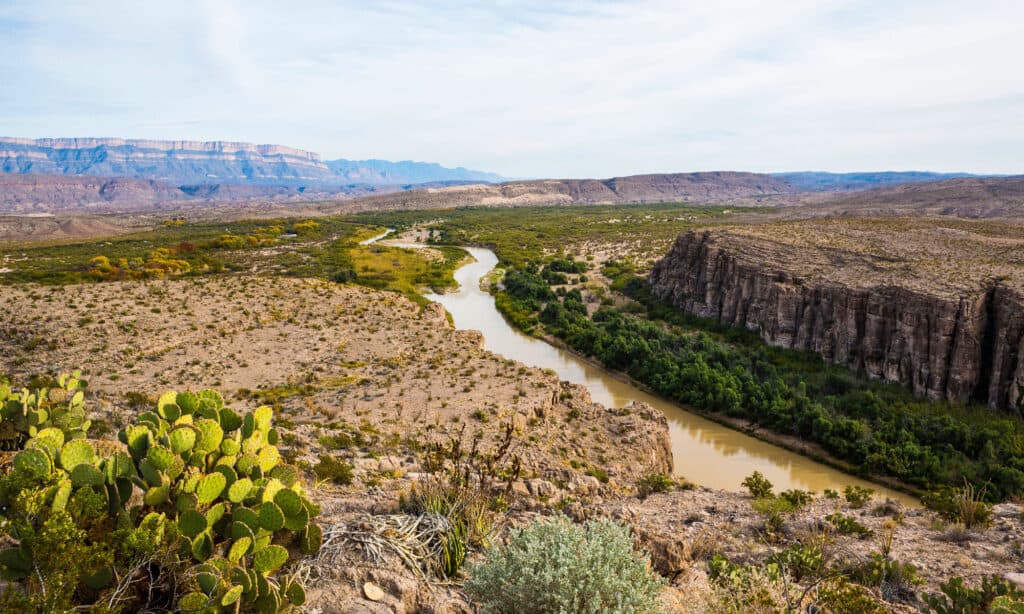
(957, 346)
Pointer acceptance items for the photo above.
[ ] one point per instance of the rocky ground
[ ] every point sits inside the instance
(373, 379)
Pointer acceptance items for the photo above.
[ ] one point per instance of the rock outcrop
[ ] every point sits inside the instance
(190, 162)
(957, 347)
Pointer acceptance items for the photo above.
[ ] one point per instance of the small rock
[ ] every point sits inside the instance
(1006, 510)
(373, 592)
(1016, 578)
(541, 488)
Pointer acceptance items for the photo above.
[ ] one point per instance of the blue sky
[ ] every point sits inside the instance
(534, 88)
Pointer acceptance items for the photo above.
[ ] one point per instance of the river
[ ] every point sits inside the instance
(703, 451)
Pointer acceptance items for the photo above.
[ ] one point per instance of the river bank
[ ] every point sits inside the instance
(705, 451)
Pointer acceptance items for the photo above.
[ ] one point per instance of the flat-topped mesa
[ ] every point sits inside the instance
(222, 147)
(883, 313)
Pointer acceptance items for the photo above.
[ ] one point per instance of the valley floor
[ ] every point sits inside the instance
(373, 380)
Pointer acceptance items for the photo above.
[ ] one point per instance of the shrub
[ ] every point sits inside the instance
(801, 561)
(846, 525)
(858, 496)
(796, 497)
(758, 485)
(843, 597)
(182, 517)
(748, 588)
(773, 509)
(556, 566)
(466, 489)
(964, 505)
(896, 580)
(956, 598)
(333, 469)
(654, 482)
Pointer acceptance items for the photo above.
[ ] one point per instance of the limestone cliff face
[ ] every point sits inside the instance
(201, 162)
(962, 348)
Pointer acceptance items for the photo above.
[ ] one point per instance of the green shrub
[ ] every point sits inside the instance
(895, 579)
(758, 485)
(654, 482)
(964, 505)
(773, 509)
(858, 496)
(847, 525)
(842, 597)
(333, 469)
(600, 474)
(796, 497)
(184, 516)
(956, 598)
(801, 561)
(556, 566)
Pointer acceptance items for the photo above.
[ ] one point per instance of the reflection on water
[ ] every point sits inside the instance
(704, 451)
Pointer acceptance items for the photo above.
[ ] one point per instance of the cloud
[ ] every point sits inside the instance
(536, 88)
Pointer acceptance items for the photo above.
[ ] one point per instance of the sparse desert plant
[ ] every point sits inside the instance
(774, 510)
(654, 482)
(840, 596)
(556, 566)
(858, 496)
(965, 505)
(896, 580)
(796, 497)
(957, 598)
(847, 525)
(333, 469)
(758, 485)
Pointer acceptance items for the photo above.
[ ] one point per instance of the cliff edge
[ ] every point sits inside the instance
(934, 305)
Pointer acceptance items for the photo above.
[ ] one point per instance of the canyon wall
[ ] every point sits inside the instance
(956, 348)
(197, 162)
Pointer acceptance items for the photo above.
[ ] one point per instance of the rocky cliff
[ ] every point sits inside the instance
(188, 162)
(961, 342)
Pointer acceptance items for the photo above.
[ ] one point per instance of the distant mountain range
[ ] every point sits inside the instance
(215, 162)
(814, 181)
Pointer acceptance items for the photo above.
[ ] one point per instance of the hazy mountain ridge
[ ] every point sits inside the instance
(196, 162)
(820, 181)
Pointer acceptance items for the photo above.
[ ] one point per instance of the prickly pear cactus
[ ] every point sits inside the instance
(26, 413)
(220, 474)
(193, 474)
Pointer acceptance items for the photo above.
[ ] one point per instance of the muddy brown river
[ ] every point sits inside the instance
(704, 452)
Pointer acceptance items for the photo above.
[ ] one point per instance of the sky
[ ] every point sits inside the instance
(535, 88)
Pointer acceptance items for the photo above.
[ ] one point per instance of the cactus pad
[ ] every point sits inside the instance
(34, 463)
(271, 517)
(87, 475)
(191, 523)
(269, 559)
(288, 474)
(75, 453)
(210, 487)
(157, 495)
(61, 494)
(229, 419)
(210, 436)
(240, 490)
(239, 548)
(312, 539)
(230, 447)
(267, 458)
(181, 438)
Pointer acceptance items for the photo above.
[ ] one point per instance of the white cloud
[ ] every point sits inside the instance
(536, 88)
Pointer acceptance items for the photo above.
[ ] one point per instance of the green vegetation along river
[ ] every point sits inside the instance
(704, 452)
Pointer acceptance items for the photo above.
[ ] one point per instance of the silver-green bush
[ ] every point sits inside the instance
(559, 567)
